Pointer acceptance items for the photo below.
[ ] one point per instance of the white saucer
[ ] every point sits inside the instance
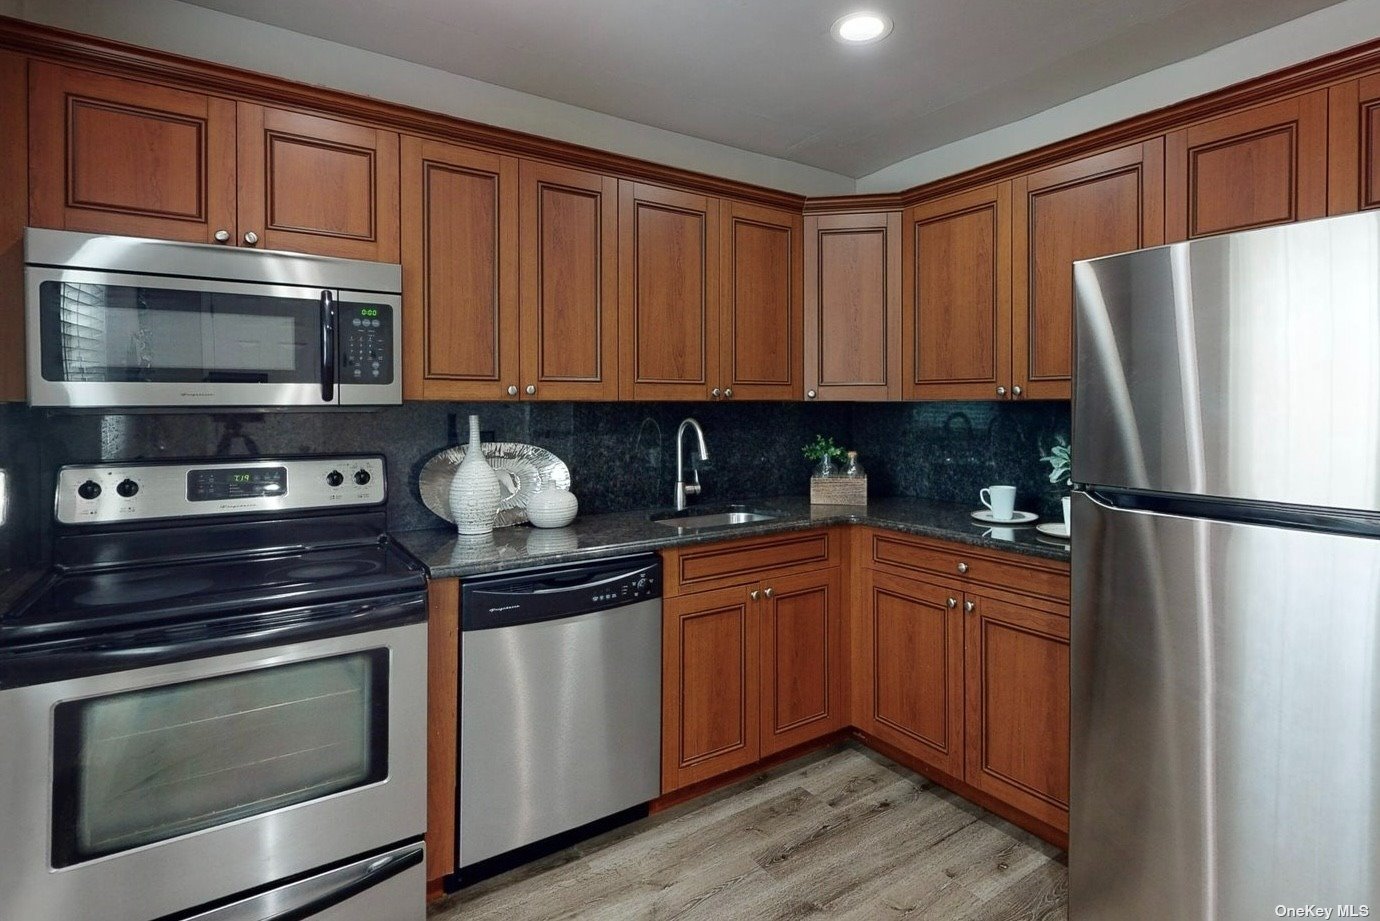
(1054, 529)
(986, 517)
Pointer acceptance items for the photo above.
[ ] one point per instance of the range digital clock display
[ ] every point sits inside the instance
(236, 483)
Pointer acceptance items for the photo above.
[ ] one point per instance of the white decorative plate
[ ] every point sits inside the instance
(1054, 529)
(522, 470)
(986, 517)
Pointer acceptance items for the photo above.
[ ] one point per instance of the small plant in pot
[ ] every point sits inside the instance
(823, 452)
(1060, 460)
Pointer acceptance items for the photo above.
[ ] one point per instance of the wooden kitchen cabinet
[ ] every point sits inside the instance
(912, 688)
(804, 689)
(317, 185)
(569, 268)
(110, 155)
(14, 217)
(1017, 672)
(1353, 179)
(668, 293)
(761, 323)
(853, 306)
(1108, 203)
(460, 272)
(1254, 168)
(956, 284)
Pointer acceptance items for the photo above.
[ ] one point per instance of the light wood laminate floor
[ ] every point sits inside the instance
(843, 833)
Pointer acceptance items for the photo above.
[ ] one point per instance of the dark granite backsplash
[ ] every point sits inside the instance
(621, 455)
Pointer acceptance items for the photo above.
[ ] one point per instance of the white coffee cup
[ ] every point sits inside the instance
(1068, 517)
(1000, 500)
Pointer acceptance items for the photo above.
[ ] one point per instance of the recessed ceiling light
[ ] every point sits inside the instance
(861, 28)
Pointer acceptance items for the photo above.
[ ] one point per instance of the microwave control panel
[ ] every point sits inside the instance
(366, 343)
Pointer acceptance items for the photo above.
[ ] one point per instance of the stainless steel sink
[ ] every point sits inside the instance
(724, 517)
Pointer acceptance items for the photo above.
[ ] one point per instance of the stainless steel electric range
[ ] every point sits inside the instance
(214, 706)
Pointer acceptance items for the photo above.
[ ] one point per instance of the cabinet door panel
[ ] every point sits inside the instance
(1353, 149)
(118, 156)
(668, 290)
(710, 693)
(957, 284)
(761, 337)
(803, 678)
(569, 283)
(1104, 204)
(1018, 707)
(14, 216)
(853, 306)
(1263, 166)
(460, 272)
(317, 185)
(913, 637)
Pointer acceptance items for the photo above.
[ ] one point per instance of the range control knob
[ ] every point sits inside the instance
(127, 488)
(334, 478)
(362, 477)
(89, 490)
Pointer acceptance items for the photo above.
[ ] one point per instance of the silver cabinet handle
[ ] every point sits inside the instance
(1001, 391)
(1016, 391)
(512, 390)
(953, 602)
(810, 394)
(969, 606)
(715, 393)
(531, 389)
(962, 567)
(222, 236)
(728, 393)
(754, 594)
(250, 238)
(768, 592)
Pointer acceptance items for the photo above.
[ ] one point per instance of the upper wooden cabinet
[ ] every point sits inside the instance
(956, 284)
(853, 306)
(760, 332)
(668, 293)
(109, 155)
(569, 256)
(317, 185)
(460, 272)
(1353, 148)
(1100, 205)
(14, 211)
(1262, 166)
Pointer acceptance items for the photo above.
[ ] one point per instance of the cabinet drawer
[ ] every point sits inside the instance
(707, 566)
(970, 565)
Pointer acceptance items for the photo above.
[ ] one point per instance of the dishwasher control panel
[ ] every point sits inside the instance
(553, 594)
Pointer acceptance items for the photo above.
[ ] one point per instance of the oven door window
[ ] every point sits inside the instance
(148, 334)
(143, 766)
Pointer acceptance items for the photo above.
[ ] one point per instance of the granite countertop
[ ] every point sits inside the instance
(445, 554)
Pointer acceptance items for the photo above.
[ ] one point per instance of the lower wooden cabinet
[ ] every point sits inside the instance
(750, 670)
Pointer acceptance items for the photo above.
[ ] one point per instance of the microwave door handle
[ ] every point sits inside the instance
(328, 346)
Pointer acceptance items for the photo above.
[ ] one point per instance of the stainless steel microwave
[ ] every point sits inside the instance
(124, 322)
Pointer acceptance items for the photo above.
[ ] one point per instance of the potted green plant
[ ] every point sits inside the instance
(823, 452)
(1060, 460)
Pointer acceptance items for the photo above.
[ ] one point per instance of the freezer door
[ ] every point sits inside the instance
(1226, 719)
(1243, 366)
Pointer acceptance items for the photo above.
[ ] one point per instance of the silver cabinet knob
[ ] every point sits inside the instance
(754, 594)
(715, 393)
(962, 567)
(768, 592)
(222, 236)
(1001, 391)
(512, 390)
(531, 389)
(953, 602)
(250, 238)
(811, 394)
(1016, 391)
(728, 393)
(969, 606)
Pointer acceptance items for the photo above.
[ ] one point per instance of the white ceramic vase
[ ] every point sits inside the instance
(552, 507)
(475, 491)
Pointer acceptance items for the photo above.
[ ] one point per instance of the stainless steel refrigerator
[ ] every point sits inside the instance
(1226, 565)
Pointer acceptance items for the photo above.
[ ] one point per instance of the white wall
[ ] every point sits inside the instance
(1330, 29)
(209, 35)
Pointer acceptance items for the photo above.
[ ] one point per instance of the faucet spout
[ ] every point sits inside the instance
(684, 489)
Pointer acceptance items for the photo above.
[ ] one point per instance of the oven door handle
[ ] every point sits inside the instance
(328, 318)
(311, 897)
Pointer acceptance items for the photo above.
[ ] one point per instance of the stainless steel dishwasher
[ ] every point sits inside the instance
(560, 707)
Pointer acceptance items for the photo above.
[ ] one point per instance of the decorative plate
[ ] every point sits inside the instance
(522, 470)
(1054, 529)
(986, 517)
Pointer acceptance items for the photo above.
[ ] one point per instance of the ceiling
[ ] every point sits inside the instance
(767, 77)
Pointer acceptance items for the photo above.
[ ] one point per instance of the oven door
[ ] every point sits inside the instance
(135, 794)
(106, 339)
